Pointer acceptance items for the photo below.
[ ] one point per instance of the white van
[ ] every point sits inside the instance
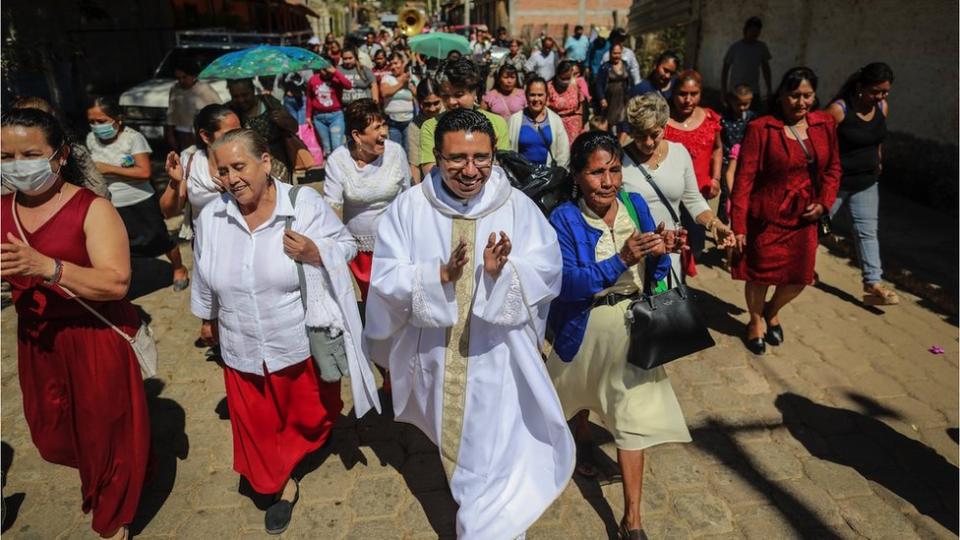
(145, 105)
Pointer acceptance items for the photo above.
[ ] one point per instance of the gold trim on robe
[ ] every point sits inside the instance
(458, 351)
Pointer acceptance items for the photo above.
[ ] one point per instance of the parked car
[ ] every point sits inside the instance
(145, 105)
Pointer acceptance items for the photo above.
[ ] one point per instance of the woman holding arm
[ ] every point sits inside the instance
(607, 260)
(698, 130)
(776, 204)
(122, 155)
(653, 162)
(83, 394)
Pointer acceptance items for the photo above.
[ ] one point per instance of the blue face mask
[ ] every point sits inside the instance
(104, 132)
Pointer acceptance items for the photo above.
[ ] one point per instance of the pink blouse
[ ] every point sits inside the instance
(503, 105)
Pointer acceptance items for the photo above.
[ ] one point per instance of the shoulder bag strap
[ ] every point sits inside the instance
(811, 162)
(68, 292)
(544, 139)
(288, 225)
(643, 170)
(632, 211)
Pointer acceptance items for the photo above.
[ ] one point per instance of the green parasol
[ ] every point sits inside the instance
(261, 61)
(438, 44)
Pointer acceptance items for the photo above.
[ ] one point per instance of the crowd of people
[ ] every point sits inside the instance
(418, 253)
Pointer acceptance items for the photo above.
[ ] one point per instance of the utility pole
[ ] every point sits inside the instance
(466, 13)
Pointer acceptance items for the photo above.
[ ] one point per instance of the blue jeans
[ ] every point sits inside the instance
(864, 208)
(330, 128)
(398, 132)
(297, 107)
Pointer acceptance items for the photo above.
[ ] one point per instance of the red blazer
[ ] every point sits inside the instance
(766, 180)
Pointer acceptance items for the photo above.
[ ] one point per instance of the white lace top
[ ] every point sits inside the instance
(363, 193)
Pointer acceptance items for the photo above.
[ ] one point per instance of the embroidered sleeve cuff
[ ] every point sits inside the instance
(500, 301)
(434, 304)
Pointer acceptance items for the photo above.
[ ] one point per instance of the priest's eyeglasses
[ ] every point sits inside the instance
(480, 161)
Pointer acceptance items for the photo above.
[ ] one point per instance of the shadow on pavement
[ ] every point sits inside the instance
(917, 473)
(720, 314)
(11, 503)
(170, 444)
(846, 297)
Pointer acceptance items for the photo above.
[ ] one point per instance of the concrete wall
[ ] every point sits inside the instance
(555, 14)
(918, 38)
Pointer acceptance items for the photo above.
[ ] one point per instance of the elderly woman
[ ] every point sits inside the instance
(662, 171)
(363, 178)
(536, 132)
(282, 394)
(59, 237)
(776, 204)
(607, 260)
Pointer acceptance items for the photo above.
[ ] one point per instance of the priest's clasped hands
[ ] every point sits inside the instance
(495, 256)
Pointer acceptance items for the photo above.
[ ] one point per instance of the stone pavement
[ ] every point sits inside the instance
(848, 430)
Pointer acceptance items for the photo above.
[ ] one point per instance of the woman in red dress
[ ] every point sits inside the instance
(565, 98)
(776, 205)
(698, 130)
(83, 394)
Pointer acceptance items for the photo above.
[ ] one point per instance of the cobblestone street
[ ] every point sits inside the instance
(848, 430)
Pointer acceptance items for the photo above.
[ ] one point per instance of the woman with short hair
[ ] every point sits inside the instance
(653, 163)
(608, 258)
(283, 400)
(363, 178)
(776, 204)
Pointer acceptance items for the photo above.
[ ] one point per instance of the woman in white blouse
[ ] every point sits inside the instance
(651, 160)
(363, 178)
(192, 173)
(246, 289)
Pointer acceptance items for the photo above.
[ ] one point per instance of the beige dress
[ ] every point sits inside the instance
(637, 406)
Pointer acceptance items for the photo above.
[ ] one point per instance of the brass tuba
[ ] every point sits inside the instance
(411, 22)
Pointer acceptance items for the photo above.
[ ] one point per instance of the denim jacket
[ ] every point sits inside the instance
(584, 276)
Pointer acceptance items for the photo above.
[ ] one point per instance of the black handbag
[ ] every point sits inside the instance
(547, 186)
(665, 326)
(824, 224)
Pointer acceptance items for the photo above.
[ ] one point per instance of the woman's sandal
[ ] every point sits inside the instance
(633, 534)
(878, 295)
(277, 518)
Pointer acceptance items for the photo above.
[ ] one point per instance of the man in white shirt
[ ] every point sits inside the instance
(618, 36)
(543, 61)
(464, 270)
(745, 59)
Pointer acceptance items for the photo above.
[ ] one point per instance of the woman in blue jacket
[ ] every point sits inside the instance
(607, 259)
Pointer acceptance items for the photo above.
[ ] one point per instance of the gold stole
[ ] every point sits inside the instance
(458, 351)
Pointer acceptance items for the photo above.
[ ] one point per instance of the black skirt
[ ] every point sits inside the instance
(146, 229)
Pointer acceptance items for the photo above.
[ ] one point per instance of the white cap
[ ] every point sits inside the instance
(313, 41)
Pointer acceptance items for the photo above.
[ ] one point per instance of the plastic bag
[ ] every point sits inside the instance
(547, 186)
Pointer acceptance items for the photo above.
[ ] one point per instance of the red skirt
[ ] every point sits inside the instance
(84, 402)
(361, 265)
(777, 255)
(277, 419)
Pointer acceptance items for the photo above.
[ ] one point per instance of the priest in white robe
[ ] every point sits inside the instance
(464, 269)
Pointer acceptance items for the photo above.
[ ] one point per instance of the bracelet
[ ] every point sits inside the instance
(57, 272)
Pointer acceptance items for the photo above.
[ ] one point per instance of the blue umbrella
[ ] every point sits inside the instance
(261, 61)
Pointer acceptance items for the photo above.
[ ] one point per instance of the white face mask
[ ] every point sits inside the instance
(29, 176)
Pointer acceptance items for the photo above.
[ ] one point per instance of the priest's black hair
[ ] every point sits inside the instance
(466, 120)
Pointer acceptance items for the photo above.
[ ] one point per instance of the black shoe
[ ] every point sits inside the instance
(774, 335)
(756, 346)
(277, 518)
(633, 534)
